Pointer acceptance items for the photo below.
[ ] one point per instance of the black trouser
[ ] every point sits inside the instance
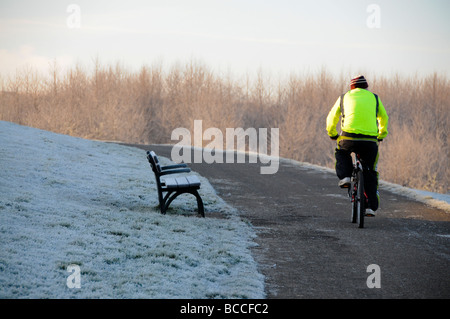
(368, 151)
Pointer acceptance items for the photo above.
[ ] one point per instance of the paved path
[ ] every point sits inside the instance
(309, 249)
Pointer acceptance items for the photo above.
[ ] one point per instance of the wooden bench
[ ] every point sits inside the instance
(174, 186)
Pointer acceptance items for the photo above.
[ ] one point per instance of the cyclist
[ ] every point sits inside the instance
(363, 124)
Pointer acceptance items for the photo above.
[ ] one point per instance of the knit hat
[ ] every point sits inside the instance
(359, 82)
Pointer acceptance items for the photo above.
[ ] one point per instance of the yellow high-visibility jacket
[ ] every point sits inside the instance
(359, 115)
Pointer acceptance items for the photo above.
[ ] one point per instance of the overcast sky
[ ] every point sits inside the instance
(279, 36)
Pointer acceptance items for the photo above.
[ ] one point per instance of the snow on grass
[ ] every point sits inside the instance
(436, 200)
(68, 201)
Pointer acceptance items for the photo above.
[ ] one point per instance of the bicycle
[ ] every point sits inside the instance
(356, 192)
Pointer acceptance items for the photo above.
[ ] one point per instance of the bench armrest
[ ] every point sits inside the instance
(173, 166)
(175, 171)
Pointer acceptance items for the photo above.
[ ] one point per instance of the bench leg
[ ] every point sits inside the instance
(171, 195)
(167, 200)
(163, 205)
(200, 208)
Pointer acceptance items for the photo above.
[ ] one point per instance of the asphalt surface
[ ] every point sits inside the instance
(308, 248)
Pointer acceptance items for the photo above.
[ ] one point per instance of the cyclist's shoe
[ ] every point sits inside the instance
(345, 182)
(369, 213)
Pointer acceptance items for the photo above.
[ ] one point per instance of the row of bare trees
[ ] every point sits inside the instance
(110, 102)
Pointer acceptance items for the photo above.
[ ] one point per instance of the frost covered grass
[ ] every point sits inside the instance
(65, 201)
(433, 199)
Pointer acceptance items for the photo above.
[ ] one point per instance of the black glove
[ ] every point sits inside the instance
(380, 139)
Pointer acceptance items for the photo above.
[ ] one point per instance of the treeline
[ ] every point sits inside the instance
(110, 102)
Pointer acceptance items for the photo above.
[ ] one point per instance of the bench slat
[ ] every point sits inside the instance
(170, 182)
(193, 180)
(181, 182)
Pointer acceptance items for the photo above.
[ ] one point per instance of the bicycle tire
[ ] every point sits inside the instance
(354, 202)
(361, 200)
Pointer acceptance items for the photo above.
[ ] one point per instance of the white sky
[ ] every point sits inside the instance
(279, 36)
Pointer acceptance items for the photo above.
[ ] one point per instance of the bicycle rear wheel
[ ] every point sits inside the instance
(360, 200)
(353, 195)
